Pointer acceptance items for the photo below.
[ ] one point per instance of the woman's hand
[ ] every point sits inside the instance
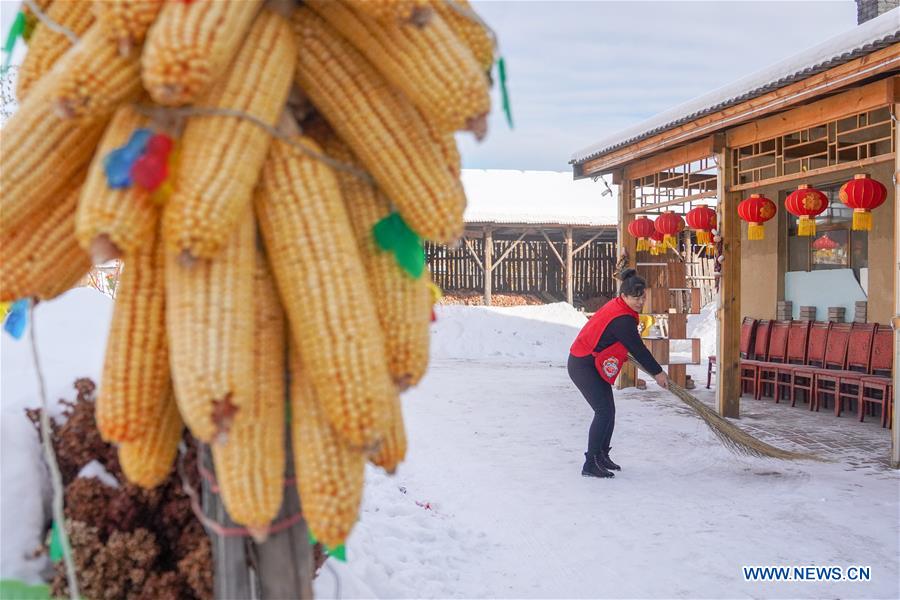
(662, 379)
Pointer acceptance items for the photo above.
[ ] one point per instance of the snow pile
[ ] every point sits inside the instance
(703, 326)
(533, 333)
(71, 337)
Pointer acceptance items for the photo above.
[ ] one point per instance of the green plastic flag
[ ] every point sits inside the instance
(394, 235)
(56, 549)
(17, 29)
(18, 590)
(337, 552)
(504, 92)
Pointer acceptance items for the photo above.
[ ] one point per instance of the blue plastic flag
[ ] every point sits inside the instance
(117, 164)
(17, 319)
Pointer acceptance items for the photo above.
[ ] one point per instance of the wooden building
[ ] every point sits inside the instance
(818, 118)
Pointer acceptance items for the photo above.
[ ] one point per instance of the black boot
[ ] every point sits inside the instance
(603, 459)
(593, 468)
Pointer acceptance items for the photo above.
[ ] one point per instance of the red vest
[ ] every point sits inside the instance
(609, 362)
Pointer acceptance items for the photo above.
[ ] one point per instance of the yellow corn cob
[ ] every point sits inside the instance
(222, 155)
(147, 461)
(416, 12)
(42, 258)
(31, 19)
(250, 464)
(136, 378)
(321, 281)
(383, 129)
(430, 65)
(190, 45)
(393, 450)
(330, 474)
(404, 303)
(209, 320)
(98, 79)
(468, 30)
(126, 22)
(113, 222)
(46, 46)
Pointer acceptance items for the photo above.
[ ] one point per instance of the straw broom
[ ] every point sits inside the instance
(734, 438)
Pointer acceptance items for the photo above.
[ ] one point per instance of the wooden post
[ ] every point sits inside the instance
(895, 421)
(627, 246)
(728, 322)
(488, 263)
(570, 283)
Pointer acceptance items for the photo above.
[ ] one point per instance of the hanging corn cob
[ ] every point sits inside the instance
(126, 22)
(415, 12)
(429, 65)
(190, 45)
(148, 460)
(42, 257)
(321, 281)
(46, 46)
(135, 380)
(330, 474)
(383, 129)
(41, 153)
(209, 320)
(393, 450)
(222, 155)
(112, 221)
(458, 15)
(31, 19)
(97, 80)
(250, 464)
(404, 303)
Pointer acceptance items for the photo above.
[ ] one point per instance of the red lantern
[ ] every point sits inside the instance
(702, 220)
(806, 203)
(756, 210)
(641, 228)
(825, 243)
(670, 225)
(863, 194)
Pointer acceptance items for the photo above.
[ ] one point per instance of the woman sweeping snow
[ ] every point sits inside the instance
(596, 358)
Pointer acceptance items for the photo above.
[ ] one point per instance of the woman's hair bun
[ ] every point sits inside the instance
(627, 274)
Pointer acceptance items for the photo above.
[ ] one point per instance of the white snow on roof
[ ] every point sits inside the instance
(547, 197)
(861, 39)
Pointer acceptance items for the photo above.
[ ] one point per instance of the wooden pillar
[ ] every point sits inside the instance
(626, 246)
(728, 322)
(488, 263)
(895, 421)
(570, 276)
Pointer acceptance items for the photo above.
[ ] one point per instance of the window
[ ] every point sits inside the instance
(834, 246)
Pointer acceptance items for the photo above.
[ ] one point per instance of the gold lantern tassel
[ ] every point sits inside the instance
(806, 226)
(703, 237)
(862, 220)
(757, 231)
(643, 244)
(670, 242)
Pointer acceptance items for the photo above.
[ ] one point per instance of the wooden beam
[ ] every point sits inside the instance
(728, 324)
(856, 164)
(692, 198)
(508, 250)
(671, 158)
(570, 283)
(895, 421)
(835, 107)
(585, 245)
(553, 248)
(474, 254)
(827, 82)
(488, 260)
(626, 246)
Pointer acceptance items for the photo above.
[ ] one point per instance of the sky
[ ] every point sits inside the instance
(581, 71)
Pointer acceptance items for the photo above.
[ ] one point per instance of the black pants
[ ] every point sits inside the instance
(599, 395)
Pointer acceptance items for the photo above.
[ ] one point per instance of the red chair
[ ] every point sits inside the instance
(859, 361)
(825, 383)
(748, 333)
(878, 389)
(798, 338)
(767, 373)
(749, 369)
(802, 377)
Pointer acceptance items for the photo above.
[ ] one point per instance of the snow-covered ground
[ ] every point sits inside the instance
(490, 502)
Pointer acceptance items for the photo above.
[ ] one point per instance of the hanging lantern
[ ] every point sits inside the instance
(670, 225)
(806, 203)
(756, 210)
(825, 243)
(702, 220)
(863, 194)
(656, 239)
(641, 229)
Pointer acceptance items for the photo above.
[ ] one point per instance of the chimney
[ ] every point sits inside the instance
(869, 9)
